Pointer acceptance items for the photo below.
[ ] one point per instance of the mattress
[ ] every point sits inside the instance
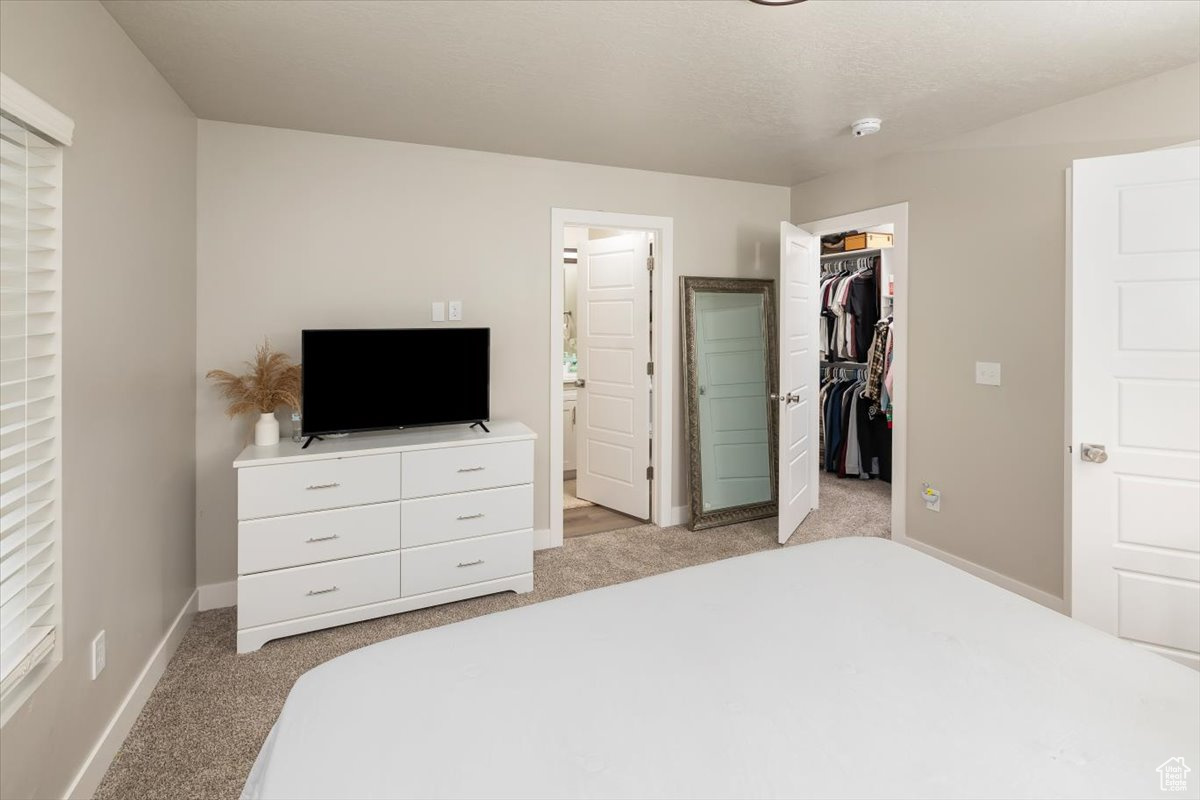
(846, 668)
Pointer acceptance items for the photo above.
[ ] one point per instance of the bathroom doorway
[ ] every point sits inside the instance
(612, 423)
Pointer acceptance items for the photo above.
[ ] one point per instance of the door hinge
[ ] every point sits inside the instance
(649, 473)
(650, 263)
(649, 367)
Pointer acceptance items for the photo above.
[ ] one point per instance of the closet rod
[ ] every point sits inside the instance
(851, 254)
(844, 364)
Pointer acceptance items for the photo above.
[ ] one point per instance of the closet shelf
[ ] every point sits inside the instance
(852, 253)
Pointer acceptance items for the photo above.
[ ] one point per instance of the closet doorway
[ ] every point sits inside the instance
(611, 421)
(860, 407)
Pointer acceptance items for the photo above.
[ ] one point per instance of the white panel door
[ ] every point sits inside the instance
(799, 372)
(612, 454)
(1135, 387)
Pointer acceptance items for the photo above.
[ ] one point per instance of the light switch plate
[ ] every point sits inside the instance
(438, 313)
(99, 656)
(987, 373)
(455, 310)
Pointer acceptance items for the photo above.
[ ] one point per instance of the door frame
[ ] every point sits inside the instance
(1068, 394)
(897, 216)
(663, 383)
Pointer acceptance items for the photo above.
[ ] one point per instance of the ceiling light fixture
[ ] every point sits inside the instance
(776, 2)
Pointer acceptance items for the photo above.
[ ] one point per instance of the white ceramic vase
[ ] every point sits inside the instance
(266, 430)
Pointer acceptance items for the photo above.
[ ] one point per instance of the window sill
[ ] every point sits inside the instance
(12, 702)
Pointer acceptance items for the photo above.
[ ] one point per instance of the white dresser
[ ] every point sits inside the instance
(367, 526)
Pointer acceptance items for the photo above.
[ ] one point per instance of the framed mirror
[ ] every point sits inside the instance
(729, 342)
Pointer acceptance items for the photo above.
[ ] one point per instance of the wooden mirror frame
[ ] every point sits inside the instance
(727, 516)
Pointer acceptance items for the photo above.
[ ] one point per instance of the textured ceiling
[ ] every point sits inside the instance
(723, 88)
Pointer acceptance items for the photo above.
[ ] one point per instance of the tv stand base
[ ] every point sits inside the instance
(481, 425)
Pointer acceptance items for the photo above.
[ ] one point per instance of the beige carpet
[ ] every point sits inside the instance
(201, 730)
(570, 500)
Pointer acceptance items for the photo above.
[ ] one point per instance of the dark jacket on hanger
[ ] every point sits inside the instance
(863, 303)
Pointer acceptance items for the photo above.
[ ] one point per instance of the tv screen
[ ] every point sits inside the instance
(364, 380)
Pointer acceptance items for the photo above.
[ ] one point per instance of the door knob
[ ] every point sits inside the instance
(580, 382)
(789, 398)
(1093, 453)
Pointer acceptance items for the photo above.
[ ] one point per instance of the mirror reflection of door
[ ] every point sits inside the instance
(729, 343)
(731, 364)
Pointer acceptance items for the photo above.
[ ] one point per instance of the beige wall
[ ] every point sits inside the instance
(987, 220)
(128, 372)
(301, 230)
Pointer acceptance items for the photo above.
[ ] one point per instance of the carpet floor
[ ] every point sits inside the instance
(201, 729)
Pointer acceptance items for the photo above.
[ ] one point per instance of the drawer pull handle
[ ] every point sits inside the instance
(312, 592)
(471, 516)
(471, 563)
(471, 469)
(329, 538)
(323, 486)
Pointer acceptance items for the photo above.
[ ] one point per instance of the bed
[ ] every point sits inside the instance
(846, 668)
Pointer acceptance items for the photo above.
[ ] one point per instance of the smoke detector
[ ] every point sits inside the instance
(865, 127)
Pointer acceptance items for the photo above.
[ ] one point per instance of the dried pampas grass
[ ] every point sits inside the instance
(273, 381)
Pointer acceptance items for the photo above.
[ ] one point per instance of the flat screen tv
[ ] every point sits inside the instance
(376, 379)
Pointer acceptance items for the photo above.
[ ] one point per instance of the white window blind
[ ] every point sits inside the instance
(30, 338)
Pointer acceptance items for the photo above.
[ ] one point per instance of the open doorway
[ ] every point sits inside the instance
(612, 337)
(857, 347)
(607, 329)
(861, 404)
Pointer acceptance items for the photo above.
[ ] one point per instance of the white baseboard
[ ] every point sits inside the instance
(541, 539)
(218, 595)
(990, 575)
(87, 780)
(679, 515)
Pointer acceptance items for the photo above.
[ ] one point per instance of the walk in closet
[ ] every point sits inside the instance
(857, 350)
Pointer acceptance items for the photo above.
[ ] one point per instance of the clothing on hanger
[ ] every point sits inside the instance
(850, 307)
(854, 436)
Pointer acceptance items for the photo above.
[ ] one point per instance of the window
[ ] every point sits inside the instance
(30, 346)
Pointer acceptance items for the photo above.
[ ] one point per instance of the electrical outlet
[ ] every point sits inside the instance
(932, 497)
(455, 310)
(987, 373)
(99, 657)
(438, 312)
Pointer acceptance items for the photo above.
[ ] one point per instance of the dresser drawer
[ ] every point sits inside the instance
(467, 468)
(314, 485)
(484, 558)
(445, 518)
(303, 591)
(277, 542)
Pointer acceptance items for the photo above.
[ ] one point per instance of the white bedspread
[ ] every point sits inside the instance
(846, 668)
